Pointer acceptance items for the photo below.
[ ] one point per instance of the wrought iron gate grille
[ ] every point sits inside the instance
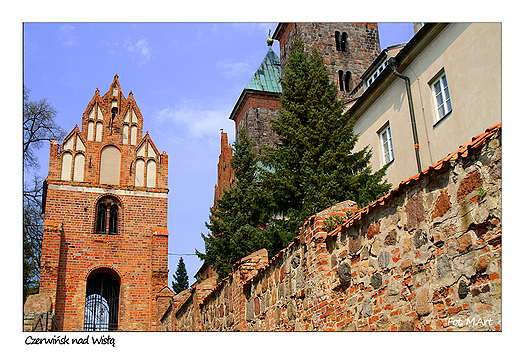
(102, 303)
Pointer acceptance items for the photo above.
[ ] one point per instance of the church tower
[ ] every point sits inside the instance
(105, 241)
(347, 49)
(259, 102)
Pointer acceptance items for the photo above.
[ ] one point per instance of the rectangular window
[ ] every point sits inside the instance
(387, 148)
(441, 97)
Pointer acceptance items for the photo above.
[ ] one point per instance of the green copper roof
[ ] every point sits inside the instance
(267, 77)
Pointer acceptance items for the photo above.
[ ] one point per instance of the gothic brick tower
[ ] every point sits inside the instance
(347, 48)
(105, 241)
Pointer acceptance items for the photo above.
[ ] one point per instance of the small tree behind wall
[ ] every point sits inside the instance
(180, 278)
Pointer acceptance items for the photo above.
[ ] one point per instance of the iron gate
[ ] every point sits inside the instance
(101, 303)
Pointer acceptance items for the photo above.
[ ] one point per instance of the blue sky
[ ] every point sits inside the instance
(185, 77)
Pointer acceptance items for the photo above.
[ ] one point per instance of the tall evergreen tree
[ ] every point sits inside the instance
(180, 278)
(314, 165)
(240, 215)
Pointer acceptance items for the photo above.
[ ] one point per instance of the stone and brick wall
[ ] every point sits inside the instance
(254, 113)
(361, 50)
(425, 257)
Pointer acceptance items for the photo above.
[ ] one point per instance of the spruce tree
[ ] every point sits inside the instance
(314, 165)
(180, 278)
(236, 224)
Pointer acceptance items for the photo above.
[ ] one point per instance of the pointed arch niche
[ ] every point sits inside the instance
(110, 166)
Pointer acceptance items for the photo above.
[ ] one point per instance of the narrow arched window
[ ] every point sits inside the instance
(347, 81)
(113, 217)
(338, 44)
(340, 73)
(344, 41)
(101, 219)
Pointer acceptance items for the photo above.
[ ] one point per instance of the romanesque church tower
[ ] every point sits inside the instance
(347, 49)
(105, 241)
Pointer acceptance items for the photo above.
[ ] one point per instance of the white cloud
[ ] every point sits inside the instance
(197, 122)
(66, 34)
(231, 69)
(141, 47)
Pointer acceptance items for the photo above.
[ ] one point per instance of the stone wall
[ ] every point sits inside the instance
(425, 257)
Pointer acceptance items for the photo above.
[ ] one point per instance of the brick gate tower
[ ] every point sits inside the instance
(105, 241)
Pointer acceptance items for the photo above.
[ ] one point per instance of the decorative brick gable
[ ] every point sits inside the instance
(135, 251)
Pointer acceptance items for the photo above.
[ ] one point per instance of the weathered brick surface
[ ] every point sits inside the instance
(72, 250)
(254, 113)
(423, 258)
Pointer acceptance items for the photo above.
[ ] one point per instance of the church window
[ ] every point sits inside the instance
(107, 217)
(344, 42)
(112, 225)
(341, 88)
(341, 41)
(347, 81)
(101, 219)
(102, 302)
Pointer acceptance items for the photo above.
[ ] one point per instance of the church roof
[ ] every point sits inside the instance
(267, 77)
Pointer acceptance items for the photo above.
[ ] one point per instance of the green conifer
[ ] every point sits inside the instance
(240, 215)
(314, 165)
(180, 278)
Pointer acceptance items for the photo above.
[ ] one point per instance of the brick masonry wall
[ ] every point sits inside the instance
(72, 250)
(254, 115)
(426, 257)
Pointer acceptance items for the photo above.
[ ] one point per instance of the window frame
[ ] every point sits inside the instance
(442, 80)
(387, 157)
(107, 207)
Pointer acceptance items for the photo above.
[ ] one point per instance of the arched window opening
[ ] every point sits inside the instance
(108, 210)
(338, 44)
(347, 81)
(101, 219)
(101, 303)
(344, 41)
(341, 88)
(112, 226)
